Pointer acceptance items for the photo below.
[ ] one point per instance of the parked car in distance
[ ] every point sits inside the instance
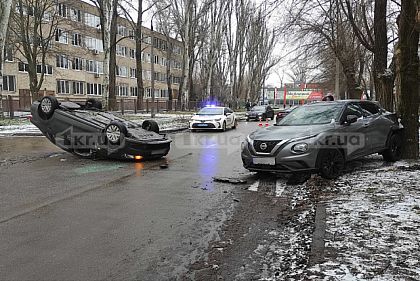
(260, 111)
(322, 137)
(87, 131)
(213, 118)
(283, 112)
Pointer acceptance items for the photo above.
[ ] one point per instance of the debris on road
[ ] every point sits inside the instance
(229, 180)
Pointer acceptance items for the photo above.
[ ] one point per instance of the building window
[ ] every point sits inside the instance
(131, 34)
(77, 88)
(133, 72)
(23, 67)
(148, 92)
(92, 20)
(122, 30)
(156, 59)
(63, 87)
(77, 64)
(94, 44)
(94, 66)
(121, 51)
(163, 61)
(75, 15)
(94, 89)
(8, 54)
(122, 90)
(9, 83)
(76, 39)
(147, 74)
(61, 36)
(121, 71)
(133, 91)
(46, 69)
(62, 61)
(132, 53)
(163, 93)
(62, 10)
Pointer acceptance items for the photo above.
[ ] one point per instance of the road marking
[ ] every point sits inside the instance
(280, 186)
(254, 186)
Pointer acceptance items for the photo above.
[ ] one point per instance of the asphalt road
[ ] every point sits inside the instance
(67, 218)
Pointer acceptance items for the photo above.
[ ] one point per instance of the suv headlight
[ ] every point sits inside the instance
(218, 119)
(300, 148)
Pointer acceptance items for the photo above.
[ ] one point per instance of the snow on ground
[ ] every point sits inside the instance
(373, 226)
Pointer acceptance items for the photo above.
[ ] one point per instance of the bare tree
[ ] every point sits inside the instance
(374, 38)
(32, 31)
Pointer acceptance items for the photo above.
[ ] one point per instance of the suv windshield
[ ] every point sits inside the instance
(258, 108)
(312, 115)
(211, 111)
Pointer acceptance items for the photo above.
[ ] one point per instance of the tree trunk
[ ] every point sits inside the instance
(5, 7)
(113, 61)
(409, 77)
(106, 23)
(383, 80)
(139, 65)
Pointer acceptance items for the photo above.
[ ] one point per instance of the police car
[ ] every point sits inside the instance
(213, 118)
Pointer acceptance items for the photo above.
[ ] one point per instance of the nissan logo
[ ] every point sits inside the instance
(263, 146)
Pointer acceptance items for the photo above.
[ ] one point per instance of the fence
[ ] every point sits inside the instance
(9, 105)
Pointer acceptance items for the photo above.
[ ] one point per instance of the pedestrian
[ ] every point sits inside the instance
(328, 97)
(248, 105)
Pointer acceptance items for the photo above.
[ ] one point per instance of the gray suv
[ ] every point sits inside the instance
(321, 137)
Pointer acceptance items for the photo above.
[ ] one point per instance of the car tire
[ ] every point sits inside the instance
(93, 103)
(115, 132)
(393, 153)
(47, 106)
(330, 163)
(235, 124)
(150, 125)
(224, 126)
(247, 119)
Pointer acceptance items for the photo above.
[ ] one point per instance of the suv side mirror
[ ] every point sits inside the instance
(351, 119)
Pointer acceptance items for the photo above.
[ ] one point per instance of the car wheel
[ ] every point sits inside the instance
(330, 163)
(47, 106)
(93, 103)
(235, 124)
(224, 127)
(264, 117)
(115, 132)
(247, 119)
(393, 153)
(150, 125)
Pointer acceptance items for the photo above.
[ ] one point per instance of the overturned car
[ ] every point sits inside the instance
(87, 131)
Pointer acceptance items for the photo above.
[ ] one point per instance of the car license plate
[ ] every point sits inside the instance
(202, 125)
(264, 161)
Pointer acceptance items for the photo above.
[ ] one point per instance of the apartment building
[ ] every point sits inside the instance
(74, 69)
